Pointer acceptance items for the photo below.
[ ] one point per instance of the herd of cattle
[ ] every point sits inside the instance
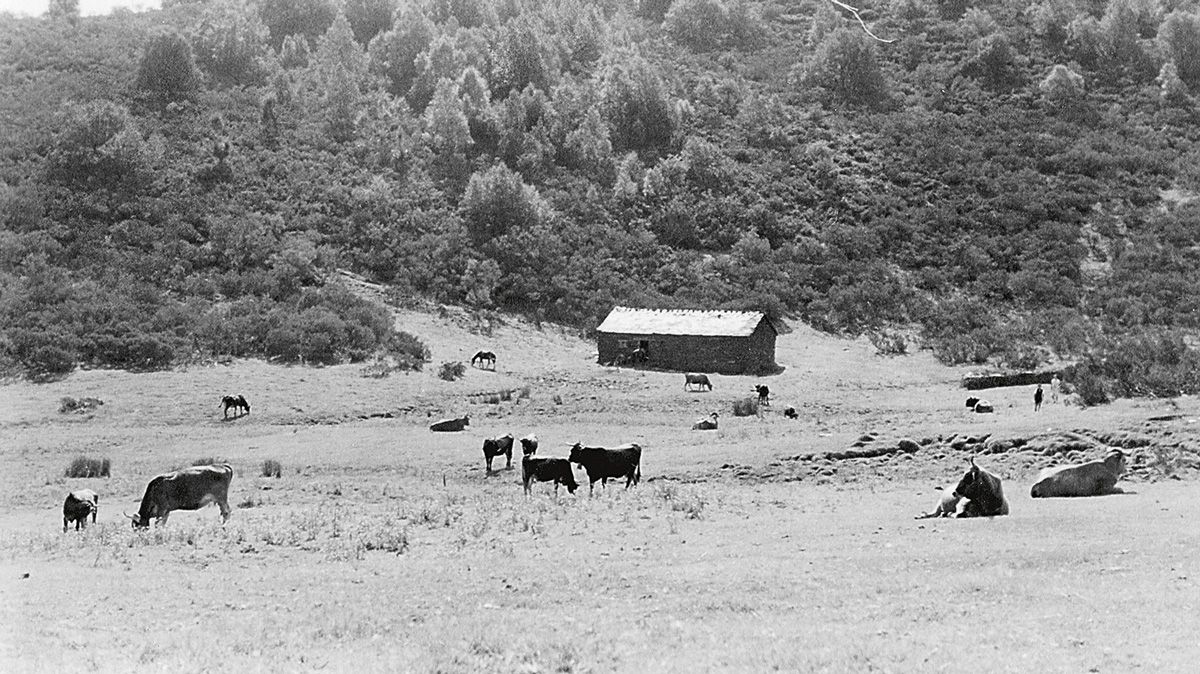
(978, 494)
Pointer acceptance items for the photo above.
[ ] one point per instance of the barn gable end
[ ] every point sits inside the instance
(729, 342)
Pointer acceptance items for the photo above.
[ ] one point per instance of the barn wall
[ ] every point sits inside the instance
(727, 355)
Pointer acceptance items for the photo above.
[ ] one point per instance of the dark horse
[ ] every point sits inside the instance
(237, 403)
(484, 358)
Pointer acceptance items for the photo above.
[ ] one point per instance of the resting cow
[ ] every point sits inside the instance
(185, 489)
(451, 425)
(493, 447)
(79, 505)
(709, 424)
(984, 407)
(1093, 478)
(791, 413)
(236, 403)
(698, 380)
(978, 494)
(601, 464)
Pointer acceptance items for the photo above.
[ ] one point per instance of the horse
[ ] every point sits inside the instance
(484, 358)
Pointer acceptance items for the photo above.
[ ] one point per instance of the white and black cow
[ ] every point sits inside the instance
(79, 505)
(493, 447)
(602, 464)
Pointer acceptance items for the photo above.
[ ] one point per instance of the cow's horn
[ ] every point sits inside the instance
(132, 517)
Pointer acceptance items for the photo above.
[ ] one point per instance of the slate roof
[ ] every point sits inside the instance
(628, 320)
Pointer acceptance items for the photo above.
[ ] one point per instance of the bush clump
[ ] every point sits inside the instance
(272, 468)
(451, 371)
(746, 407)
(86, 466)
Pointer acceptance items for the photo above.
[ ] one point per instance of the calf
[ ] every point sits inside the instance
(1093, 478)
(764, 394)
(553, 470)
(79, 504)
(601, 464)
(493, 447)
(947, 506)
(709, 424)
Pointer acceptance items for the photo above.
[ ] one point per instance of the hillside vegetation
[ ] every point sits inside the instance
(1004, 182)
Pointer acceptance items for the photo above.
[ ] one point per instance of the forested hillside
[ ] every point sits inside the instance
(1002, 182)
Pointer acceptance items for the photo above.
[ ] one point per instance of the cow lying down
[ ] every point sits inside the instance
(1093, 478)
(978, 494)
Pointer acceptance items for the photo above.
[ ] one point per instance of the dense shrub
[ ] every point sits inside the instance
(845, 65)
(86, 466)
(168, 70)
(452, 370)
(272, 468)
(409, 352)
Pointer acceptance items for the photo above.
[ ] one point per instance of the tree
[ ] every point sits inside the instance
(1172, 90)
(697, 24)
(231, 43)
(498, 201)
(369, 18)
(394, 53)
(310, 18)
(168, 71)
(525, 54)
(99, 146)
(845, 66)
(637, 105)
(339, 67)
(446, 125)
(66, 10)
(1179, 37)
(1062, 85)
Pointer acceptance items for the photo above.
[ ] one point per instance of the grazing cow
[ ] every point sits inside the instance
(1093, 478)
(709, 424)
(493, 447)
(484, 358)
(698, 380)
(529, 445)
(553, 470)
(764, 395)
(978, 494)
(601, 464)
(236, 403)
(790, 413)
(984, 407)
(451, 425)
(971, 402)
(185, 489)
(79, 504)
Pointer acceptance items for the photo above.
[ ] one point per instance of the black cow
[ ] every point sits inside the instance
(601, 464)
(236, 403)
(764, 395)
(700, 380)
(451, 425)
(971, 402)
(529, 444)
(981, 492)
(185, 489)
(79, 504)
(553, 470)
(493, 447)
(484, 358)
(791, 413)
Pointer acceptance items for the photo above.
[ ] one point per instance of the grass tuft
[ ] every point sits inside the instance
(86, 466)
(272, 468)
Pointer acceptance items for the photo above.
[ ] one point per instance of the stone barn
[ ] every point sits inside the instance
(728, 342)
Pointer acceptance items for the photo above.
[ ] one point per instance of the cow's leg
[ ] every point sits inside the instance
(162, 519)
(223, 504)
(508, 459)
(489, 464)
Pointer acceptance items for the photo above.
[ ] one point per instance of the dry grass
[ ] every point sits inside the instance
(387, 548)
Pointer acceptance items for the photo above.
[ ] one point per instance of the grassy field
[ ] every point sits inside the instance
(384, 547)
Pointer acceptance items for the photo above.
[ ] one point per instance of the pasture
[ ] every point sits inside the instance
(768, 544)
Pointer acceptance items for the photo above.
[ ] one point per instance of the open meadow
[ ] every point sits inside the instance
(769, 544)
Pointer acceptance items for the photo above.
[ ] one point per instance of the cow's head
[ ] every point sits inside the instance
(972, 485)
(576, 455)
(1115, 461)
(139, 521)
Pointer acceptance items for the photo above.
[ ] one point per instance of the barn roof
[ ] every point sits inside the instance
(629, 320)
